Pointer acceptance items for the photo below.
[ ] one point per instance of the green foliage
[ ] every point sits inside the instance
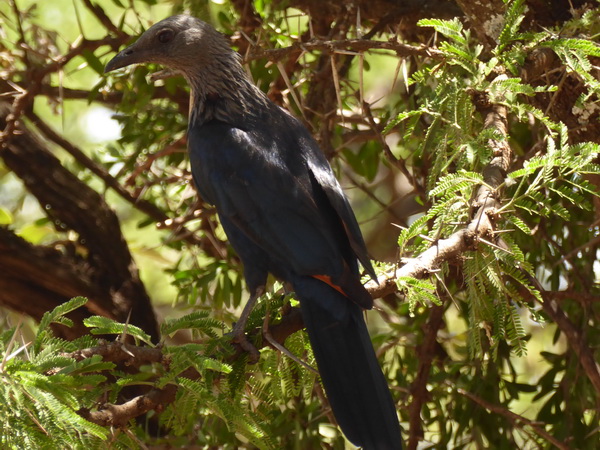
(417, 291)
(44, 387)
(198, 320)
(548, 190)
(575, 55)
(215, 282)
(549, 185)
(41, 390)
(104, 325)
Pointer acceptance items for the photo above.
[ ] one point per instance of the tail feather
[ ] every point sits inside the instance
(354, 383)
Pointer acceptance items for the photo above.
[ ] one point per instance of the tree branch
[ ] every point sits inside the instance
(143, 205)
(35, 80)
(336, 46)
(425, 354)
(71, 204)
(119, 415)
(515, 419)
(481, 226)
(485, 18)
(575, 338)
(104, 19)
(123, 353)
(46, 277)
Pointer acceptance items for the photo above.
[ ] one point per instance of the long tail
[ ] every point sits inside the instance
(354, 383)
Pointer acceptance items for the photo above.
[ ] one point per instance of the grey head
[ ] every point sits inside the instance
(203, 55)
(182, 43)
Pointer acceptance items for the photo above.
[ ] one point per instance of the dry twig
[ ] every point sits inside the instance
(514, 418)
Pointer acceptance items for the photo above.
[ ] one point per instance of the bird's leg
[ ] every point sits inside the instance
(271, 340)
(239, 334)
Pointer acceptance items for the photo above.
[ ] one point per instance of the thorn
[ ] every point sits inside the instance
(494, 245)
(13, 338)
(123, 335)
(441, 280)
(422, 236)
(502, 231)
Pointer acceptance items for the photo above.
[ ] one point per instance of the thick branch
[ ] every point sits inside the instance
(143, 205)
(481, 226)
(123, 353)
(130, 357)
(71, 204)
(46, 277)
(120, 415)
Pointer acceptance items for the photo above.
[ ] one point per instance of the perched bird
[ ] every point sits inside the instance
(283, 211)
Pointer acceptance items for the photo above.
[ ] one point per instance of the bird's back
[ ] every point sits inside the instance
(267, 177)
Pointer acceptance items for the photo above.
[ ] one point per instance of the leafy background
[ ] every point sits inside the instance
(466, 136)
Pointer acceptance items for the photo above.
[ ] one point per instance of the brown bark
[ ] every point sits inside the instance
(36, 279)
(107, 274)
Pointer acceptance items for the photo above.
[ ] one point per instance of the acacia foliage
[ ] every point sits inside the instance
(485, 155)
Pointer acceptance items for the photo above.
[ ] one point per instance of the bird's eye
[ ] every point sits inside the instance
(165, 36)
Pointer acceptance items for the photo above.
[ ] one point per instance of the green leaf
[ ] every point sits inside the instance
(513, 17)
(401, 118)
(58, 313)
(520, 224)
(93, 61)
(452, 29)
(88, 365)
(104, 325)
(6, 217)
(365, 162)
(198, 320)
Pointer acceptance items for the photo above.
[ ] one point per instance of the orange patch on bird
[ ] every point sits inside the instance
(327, 279)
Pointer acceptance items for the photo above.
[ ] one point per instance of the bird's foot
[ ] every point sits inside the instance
(239, 338)
(239, 335)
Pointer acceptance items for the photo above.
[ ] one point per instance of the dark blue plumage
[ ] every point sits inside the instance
(269, 181)
(284, 213)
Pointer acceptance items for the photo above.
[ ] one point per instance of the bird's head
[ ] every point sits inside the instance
(182, 43)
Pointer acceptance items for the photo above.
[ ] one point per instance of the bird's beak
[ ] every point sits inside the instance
(124, 58)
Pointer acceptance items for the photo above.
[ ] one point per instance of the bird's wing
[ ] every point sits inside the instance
(272, 203)
(324, 176)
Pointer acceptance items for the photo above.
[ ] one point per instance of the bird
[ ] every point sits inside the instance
(283, 212)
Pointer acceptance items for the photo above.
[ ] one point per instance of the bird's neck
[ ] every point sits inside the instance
(224, 93)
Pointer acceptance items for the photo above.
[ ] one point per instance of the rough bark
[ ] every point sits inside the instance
(99, 266)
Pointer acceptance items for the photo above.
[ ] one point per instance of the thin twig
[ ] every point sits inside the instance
(425, 355)
(23, 102)
(177, 146)
(387, 151)
(483, 220)
(103, 18)
(269, 338)
(143, 205)
(514, 418)
(576, 340)
(356, 45)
